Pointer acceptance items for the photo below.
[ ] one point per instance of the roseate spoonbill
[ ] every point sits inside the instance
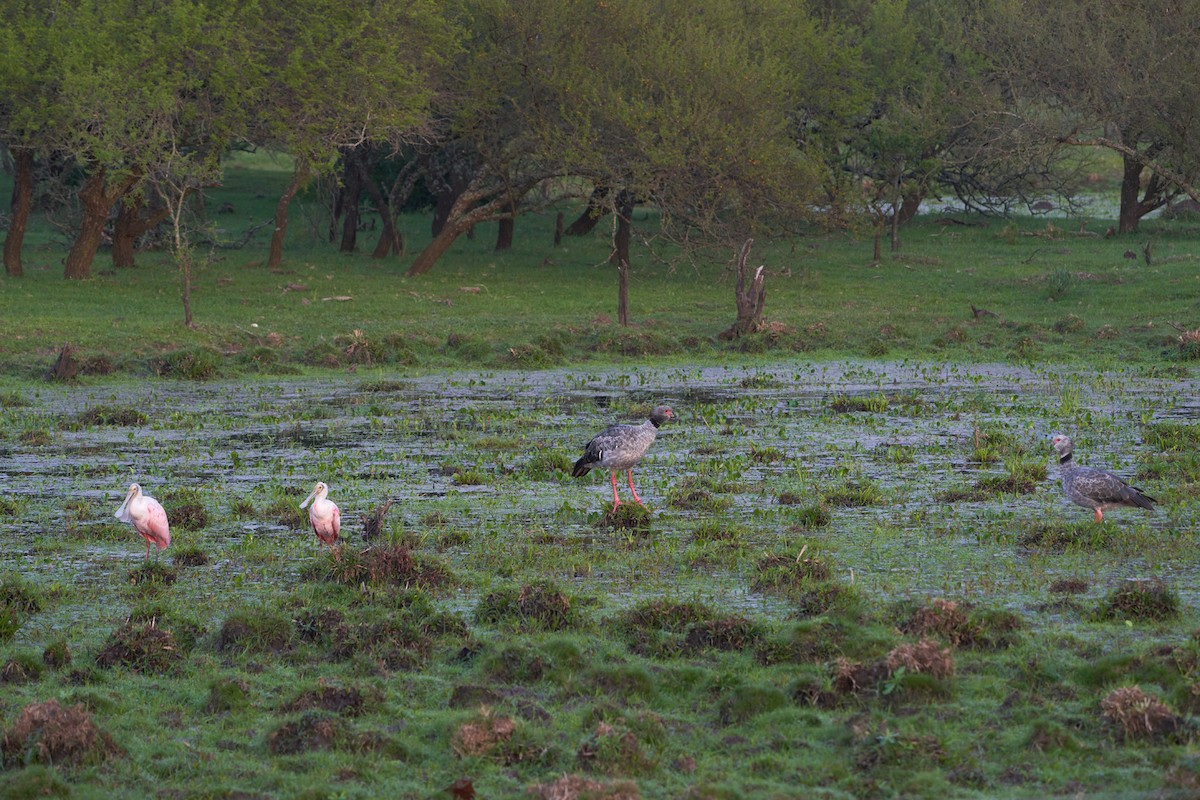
(147, 516)
(324, 515)
(1094, 488)
(621, 447)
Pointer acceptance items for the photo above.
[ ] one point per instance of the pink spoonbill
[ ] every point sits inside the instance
(324, 515)
(147, 516)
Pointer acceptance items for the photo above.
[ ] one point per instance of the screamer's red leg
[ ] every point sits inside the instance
(629, 473)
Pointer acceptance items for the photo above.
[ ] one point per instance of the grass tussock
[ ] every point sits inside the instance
(57, 655)
(255, 631)
(790, 572)
(191, 364)
(50, 733)
(153, 573)
(728, 633)
(386, 565)
(21, 668)
(1150, 600)
(1060, 537)
(141, 647)
(809, 517)
(926, 657)
(313, 731)
(108, 416)
(185, 509)
(962, 626)
(19, 594)
(1136, 714)
(628, 517)
(1023, 477)
(226, 695)
(483, 735)
(538, 606)
(864, 403)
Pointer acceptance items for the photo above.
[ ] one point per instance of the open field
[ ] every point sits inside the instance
(1059, 297)
(858, 576)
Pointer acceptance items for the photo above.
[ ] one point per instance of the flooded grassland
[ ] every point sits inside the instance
(856, 579)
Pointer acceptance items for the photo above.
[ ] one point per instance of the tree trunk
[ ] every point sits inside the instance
(275, 258)
(97, 200)
(447, 191)
(1131, 179)
(897, 203)
(469, 210)
(621, 239)
(425, 260)
(504, 231)
(351, 194)
(389, 239)
(623, 293)
(185, 290)
(129, 226)
(910, 206)
(750, 302)
(22, 202)
(597, 207)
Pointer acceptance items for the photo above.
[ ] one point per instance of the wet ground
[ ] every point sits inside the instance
(464, 456)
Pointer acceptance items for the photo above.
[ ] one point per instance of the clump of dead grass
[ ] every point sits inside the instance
(926, 657)
(49, 733)
(1139, 715)
(141, 647)
(483, 735)
(724, 633)
(313, 731)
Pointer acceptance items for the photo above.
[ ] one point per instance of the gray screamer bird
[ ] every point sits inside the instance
(621, 447)
(1094, 488)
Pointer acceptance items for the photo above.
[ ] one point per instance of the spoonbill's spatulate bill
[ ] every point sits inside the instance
(1097, 489)
(324, 515)
(147, 516)
(621, 447)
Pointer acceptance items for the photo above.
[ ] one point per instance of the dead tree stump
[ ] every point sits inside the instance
(750, 300)
(65, 366)
(373, 523)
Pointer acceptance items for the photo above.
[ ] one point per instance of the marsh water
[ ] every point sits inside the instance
(465, 455)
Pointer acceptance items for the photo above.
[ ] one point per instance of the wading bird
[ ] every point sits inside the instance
(621, 447)
(147, 516)
(1094, 488)
(324, 515)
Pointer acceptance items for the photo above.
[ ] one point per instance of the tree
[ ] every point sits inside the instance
(1117, 76)
(28, 83)
(690, 107)
(122, 78)
(339, 74)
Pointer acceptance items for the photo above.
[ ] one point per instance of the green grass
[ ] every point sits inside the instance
(540, 306)
(855, 575)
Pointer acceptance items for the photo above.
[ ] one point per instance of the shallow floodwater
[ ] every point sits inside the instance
(461, 452)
